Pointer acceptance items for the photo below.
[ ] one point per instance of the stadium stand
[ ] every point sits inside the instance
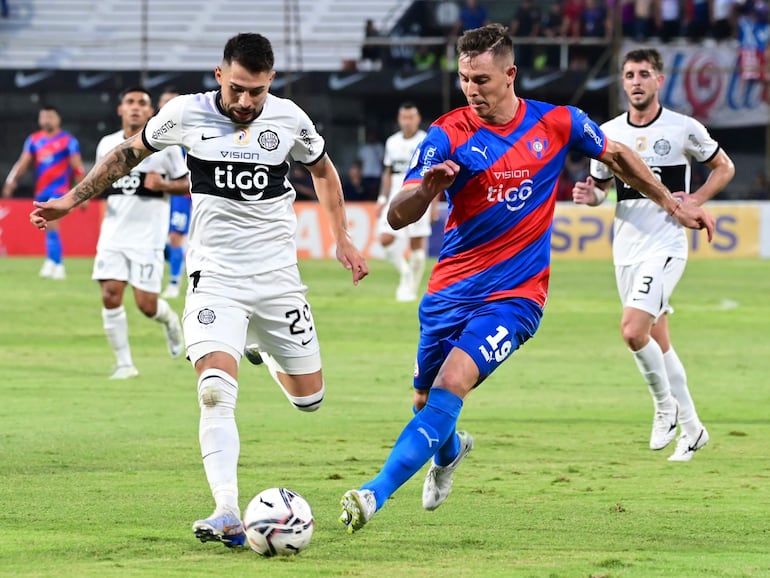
(184, 34)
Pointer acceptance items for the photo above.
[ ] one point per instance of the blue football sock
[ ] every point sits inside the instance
(419, 440)
(448, 452)
(53, 246)
(175, 262)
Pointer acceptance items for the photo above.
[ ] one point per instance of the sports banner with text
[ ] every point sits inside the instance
(581, 232)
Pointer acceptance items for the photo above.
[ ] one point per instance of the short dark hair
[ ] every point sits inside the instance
(408, 104)
(252, 51)
(492, 37)
(50, 108)
(645, 55)
(136, 88)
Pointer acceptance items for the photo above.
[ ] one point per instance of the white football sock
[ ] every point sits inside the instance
(417, 265)
(115, 323)
(649, 360)
(164, 313)
(394, 254)
(218, 436)
(677, 377)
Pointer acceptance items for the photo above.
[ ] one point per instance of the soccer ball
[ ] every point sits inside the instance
(279, 522)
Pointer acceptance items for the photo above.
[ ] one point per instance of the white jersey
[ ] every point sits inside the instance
(398, 155)
(243, 219)
(136, 217)
(642, 229)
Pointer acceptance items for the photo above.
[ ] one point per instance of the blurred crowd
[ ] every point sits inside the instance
(642, 20)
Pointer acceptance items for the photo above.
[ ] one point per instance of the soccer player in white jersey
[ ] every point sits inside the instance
(242, 255)
(133, 234)
(650, 246)
(399, 150)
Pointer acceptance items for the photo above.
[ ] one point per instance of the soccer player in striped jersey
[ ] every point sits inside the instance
(58, 165)
(649, 247)
(498, 160)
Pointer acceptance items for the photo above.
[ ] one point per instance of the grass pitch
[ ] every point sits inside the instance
(101, 478)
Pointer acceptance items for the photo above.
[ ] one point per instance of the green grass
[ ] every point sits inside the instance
(99, 478)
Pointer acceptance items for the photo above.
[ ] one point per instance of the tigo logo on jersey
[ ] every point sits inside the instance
(245, 180)
(513, 197)
(537, 147)
(242, 137)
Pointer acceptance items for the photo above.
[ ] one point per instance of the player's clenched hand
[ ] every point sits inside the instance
(49, 211)
(348, 255)
(694, 217)
(440, 177)
(583, 192)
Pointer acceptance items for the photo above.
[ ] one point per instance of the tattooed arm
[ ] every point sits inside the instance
(328, 188)
(115, 164)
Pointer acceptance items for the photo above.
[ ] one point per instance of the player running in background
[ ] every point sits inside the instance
(399, 149)
(242, 253)
(179, 224)
(649, 247)
(498, 160)
(133, 233)
(58, 166)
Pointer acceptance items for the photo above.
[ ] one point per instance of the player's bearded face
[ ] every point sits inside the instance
(48, 120)
(243, 92)
(641, 83)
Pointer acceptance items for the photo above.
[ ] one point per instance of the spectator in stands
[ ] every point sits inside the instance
(525, 24)
(699, 21)
(424, 58)
(302, 182)
(668, 19)
(353, 184)
(594, 20)
(371, 154)
(570, 24)
(551, 27)
(722, 17)
(473, 14)
(627, 19)
(760, 189)
(753, 33)
(643, 20)
(371, 55)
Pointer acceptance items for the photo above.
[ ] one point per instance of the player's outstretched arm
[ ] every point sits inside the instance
(328, 189)
(590, 192)
(115, 164)
(632, 170)
(19, 168)
(412, 201)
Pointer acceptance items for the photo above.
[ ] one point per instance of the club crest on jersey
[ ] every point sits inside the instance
(268, 140)
(661, 147)
(242, 136)
(537, 147)
(641, 143)
(206, 317)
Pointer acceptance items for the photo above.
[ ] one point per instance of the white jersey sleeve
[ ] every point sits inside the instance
(309, 146)
(166, 127)
(699, 143)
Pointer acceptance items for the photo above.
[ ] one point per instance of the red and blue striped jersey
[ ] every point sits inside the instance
(498, 233)
(53, 171)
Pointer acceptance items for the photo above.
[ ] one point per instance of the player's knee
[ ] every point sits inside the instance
(147, 308)
(217, 388)
(420, 399)
(308, 403)
(634, 337)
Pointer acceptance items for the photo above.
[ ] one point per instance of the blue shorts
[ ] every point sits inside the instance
(44, 196)
(180, 214)
(488, 333)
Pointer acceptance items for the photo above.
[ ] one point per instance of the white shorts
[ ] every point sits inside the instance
(225, 313)
(141, 268)
(421, 228)
(649, 285)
